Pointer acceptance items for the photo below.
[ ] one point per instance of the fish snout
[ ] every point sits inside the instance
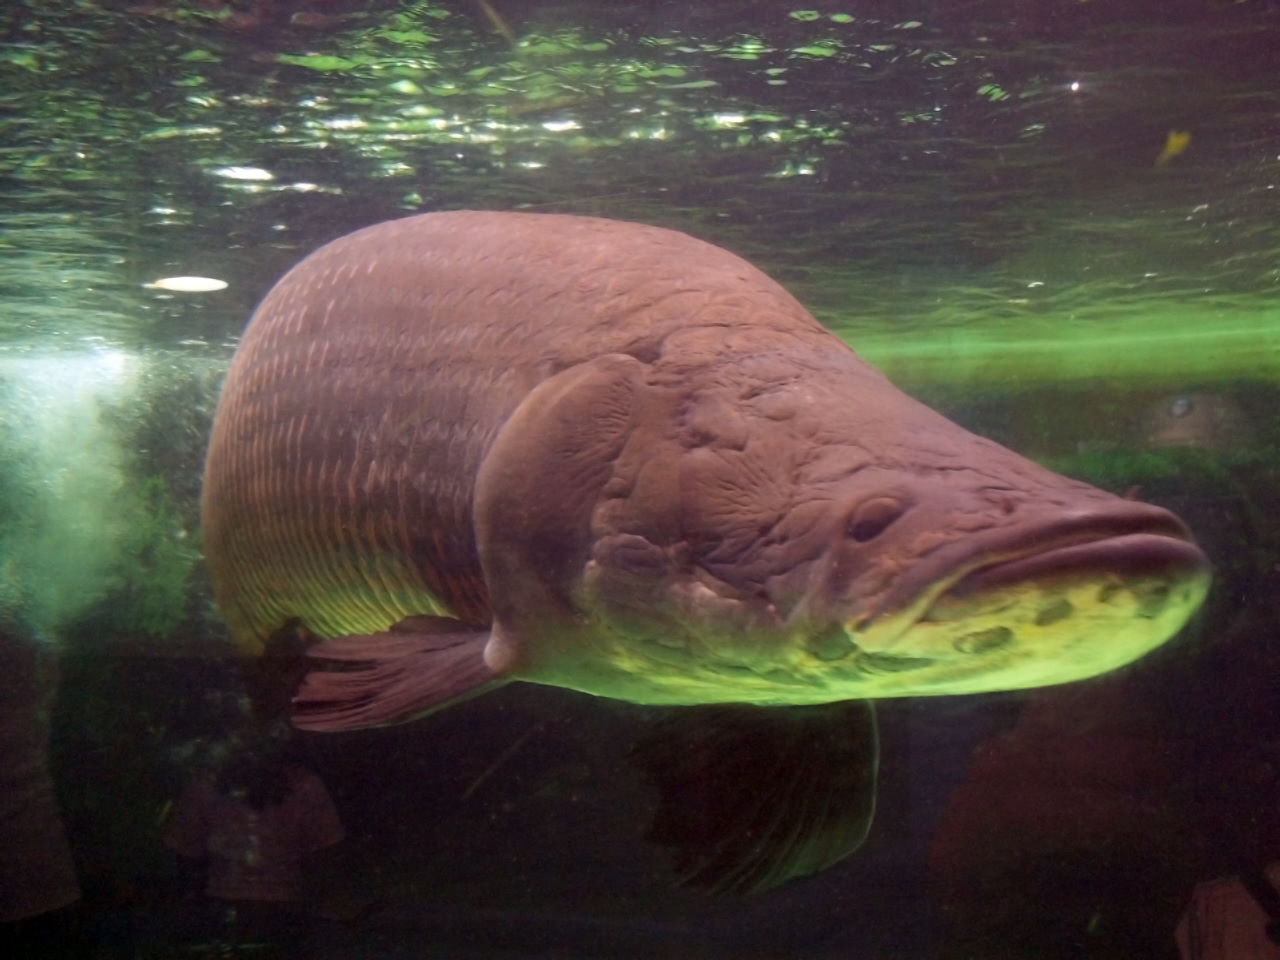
(1004, 552)
(1044, 600)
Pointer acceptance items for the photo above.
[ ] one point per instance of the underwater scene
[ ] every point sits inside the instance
(639, 479)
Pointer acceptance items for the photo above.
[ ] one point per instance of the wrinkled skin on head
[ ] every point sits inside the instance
(785, 526)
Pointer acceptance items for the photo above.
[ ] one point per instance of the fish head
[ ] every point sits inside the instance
(998, 592)
(880, 551)
(784, 535)
(951, 564)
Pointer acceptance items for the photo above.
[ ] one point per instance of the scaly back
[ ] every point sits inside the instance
(375, 374)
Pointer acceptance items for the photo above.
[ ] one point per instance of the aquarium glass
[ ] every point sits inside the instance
(1055, 222)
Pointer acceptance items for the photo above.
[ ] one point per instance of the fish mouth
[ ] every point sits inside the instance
(1135, 555)
(1135, 544)
(1033, 605)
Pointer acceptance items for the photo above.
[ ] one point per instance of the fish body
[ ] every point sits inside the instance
(650, 474)
(470, 447)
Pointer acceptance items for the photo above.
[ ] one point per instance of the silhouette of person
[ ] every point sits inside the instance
(38, 885)
(255, 824)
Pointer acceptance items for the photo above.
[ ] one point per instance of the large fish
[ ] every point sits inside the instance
(474, 447)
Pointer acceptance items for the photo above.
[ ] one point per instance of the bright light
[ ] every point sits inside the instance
(113, 365)
(244, 173)
(344, 123)
(559, 126)
(187, 284)
(92, 372)
(1075, 86)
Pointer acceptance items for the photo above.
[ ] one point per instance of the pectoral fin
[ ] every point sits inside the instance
(419, 666)
(540, 484)
(751, 797)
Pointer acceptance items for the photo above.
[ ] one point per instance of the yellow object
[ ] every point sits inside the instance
(1176, 143)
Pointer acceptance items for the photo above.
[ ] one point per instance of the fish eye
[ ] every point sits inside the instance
(873, 517)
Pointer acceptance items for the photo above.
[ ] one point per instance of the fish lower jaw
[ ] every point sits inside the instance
(1051, 617)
